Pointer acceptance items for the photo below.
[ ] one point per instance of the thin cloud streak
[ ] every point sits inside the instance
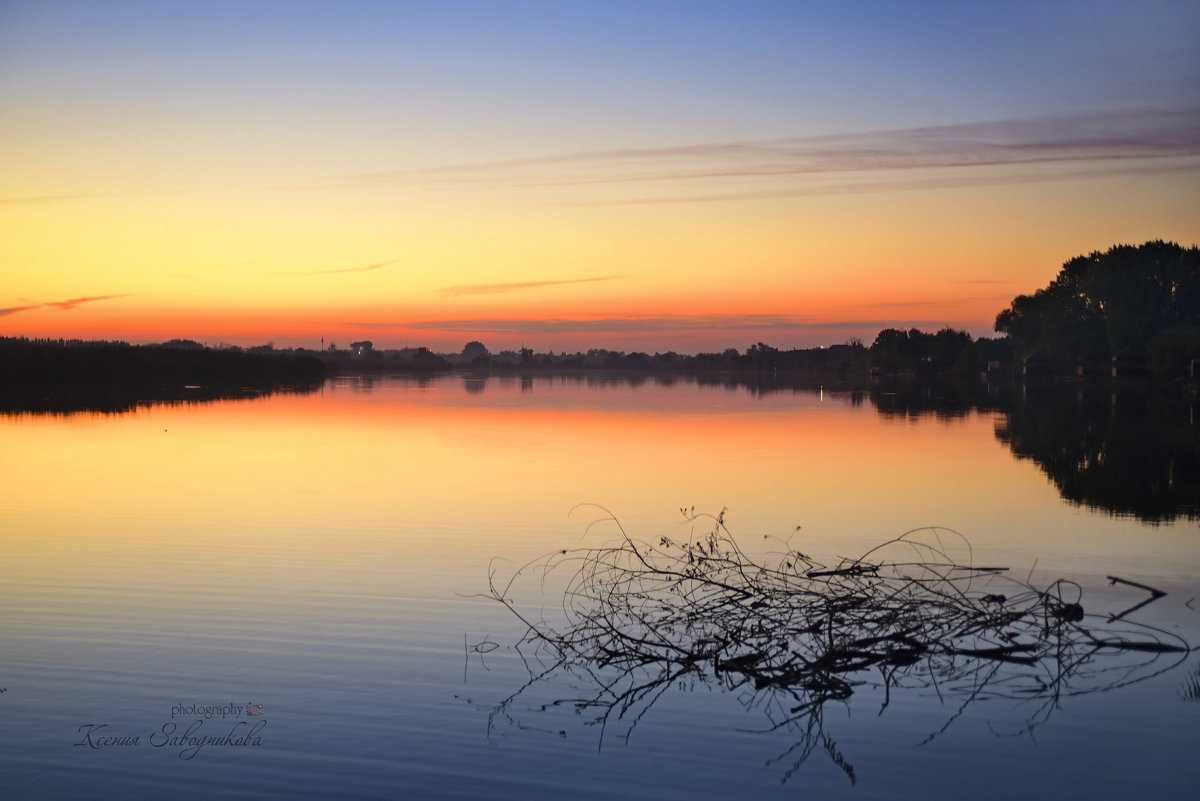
(1098, 136)
(66, 305)
(491, 289)
(898, 185)
(800, 171)
(16, 309)
(61, 305)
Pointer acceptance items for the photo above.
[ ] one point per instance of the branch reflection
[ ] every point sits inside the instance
(787, 635)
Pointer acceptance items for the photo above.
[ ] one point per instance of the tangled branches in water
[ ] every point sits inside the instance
(791, 634)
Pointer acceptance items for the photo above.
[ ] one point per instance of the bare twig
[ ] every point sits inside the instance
(636, 619)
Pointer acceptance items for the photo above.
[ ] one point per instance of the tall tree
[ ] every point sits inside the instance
(1142, 297)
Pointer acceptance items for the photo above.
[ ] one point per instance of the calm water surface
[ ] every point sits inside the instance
(320, 556)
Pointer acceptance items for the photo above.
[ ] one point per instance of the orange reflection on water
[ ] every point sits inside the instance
(397, 457)
(441, 478)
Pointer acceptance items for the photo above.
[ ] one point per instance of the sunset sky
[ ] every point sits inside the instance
(629, 175)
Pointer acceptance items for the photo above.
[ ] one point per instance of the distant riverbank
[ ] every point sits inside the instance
(79, 362)
(54, 375)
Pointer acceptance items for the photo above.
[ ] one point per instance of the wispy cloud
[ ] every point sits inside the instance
(720, 170)
(367, 268)
(61, 305)
(66, 305)
(491, 289)
(15, 309)
(902, 183)
(1064, 137)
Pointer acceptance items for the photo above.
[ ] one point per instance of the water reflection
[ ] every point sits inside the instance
(119, 398)
(943, 401)
(312, 551)
(1129, 453)
(475, 385)
(1123, 450)
(787, 635)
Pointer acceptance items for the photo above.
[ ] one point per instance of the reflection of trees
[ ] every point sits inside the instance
(118, 399)
(1128, 453)
(942, 399)
(474, 384)
(638, 620)
(1125, 450)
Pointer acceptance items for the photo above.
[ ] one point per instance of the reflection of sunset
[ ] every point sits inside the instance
(435, 471)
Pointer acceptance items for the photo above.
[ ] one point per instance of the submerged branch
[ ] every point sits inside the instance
(637, 619)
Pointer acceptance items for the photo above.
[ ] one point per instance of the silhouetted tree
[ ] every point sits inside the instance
(475, 353)
(1143, 297)
(474, 348)
(183, 344)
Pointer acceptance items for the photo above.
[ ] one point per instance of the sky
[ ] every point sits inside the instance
(649, 176)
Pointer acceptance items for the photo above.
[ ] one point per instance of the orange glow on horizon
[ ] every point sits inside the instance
(703, 322)
(788, 271)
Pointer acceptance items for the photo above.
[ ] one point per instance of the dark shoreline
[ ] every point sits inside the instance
(76, 375)
(1128, 446)
(65, 376)
(82, 363)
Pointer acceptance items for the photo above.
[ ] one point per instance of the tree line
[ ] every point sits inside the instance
(1139, 302)
(178, 362)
